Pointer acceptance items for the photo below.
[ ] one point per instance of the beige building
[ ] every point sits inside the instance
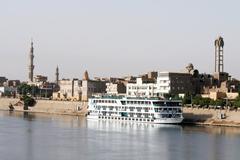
(79, 90)
(40, 78)
(69, 90)
(91, 87)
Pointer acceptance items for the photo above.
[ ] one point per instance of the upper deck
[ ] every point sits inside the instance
(154, 101)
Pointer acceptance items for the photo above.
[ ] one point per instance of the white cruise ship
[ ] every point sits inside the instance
(148, 110)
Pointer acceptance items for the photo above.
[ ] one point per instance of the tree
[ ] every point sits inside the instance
(236, 102)
(28, 101)
(220, 102)
(212, 102)
(25, 89)
(196, 100)
(27, 93)
(204, 101)
(187, 99)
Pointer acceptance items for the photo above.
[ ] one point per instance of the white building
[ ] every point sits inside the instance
(167, 83)
(141, 89)
(163, 83)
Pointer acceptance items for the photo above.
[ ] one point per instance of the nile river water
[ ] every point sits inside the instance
(51, 137)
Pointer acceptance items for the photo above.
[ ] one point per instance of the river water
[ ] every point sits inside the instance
(51, 137)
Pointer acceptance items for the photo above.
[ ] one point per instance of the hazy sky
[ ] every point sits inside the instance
(116, 37)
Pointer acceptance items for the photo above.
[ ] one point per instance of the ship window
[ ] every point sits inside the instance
(173, 104)
(123, 102)
(158, 103)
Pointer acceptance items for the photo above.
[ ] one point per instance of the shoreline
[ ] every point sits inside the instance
(192, 116)
(42, 112)
(213, 123)
(186, 122)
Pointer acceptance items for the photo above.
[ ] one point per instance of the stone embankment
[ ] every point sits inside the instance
(216, 117)
(47, 106)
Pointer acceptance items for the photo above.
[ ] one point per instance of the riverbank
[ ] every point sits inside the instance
(213, 117)
(192, 116)
(47, 106)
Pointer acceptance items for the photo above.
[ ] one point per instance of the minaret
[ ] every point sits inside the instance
(31, 66)
(219, 44)
(85, 76)
(57, 75)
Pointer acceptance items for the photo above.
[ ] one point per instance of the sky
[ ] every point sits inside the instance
(116, 37)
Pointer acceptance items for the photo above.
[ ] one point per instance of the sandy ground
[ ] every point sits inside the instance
(211, 117)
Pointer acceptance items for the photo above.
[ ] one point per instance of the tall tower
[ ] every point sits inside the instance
(31, 66)
(57, 75)
(219, 44)
(86, 76)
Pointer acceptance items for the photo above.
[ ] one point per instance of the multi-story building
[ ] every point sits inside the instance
(79, 90)
(90, 87)
(115, 88)
(172, 83)
(141, 88)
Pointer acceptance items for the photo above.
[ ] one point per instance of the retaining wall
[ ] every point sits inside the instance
(48, 106)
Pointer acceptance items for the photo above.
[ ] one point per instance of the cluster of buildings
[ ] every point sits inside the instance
(153, 84)
(8, 87)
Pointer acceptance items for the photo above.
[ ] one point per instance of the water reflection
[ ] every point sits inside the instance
(108, 125)
(42, 136)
